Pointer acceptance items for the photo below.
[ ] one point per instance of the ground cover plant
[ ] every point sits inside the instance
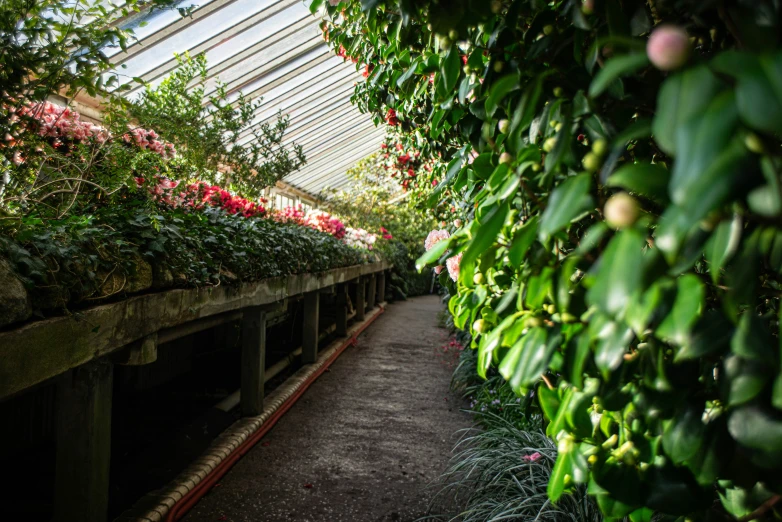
(500, 469)
(611, 169)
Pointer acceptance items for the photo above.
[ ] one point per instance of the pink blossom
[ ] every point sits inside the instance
(434, 237)
(533, 457)
(453, 266)
(668, 47)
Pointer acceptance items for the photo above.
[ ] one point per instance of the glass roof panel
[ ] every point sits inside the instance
(271, 49)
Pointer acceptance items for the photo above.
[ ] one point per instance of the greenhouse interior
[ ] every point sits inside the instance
(391, 260)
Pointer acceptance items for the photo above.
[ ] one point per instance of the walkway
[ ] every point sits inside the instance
(363, 443)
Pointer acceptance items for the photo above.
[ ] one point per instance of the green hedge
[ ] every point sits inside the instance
(617, 165)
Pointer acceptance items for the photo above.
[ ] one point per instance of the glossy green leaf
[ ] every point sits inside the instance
(681, 97)
(611, 347)
(723, 244)
(538, 346)
(569, 200)
(646, 179)
(432, 255)
(486, 233)
(619, 275)
(745, 379)
(756, 428)
(615, 68)
(699, 142)
(450, 68)
(759, 92)
(522, 240)
(499, 89)
(683, 435)
(690, 294)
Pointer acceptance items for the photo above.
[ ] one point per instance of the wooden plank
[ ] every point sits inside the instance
(139, 353)
(341, 304)
(40, 350)
(309, 344)
(381, 287)
(371, 291)
(360, 299)
(83, 443)
(253, 360)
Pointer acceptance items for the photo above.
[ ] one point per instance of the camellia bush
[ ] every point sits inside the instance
(615, 165)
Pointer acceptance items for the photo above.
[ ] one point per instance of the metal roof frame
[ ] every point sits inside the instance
(270, 49)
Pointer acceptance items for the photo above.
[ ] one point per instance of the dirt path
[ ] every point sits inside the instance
(365, 440)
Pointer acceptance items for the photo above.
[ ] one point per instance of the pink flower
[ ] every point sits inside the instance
(668, 47)
(434, 237)
(532, 458)
(453, 266)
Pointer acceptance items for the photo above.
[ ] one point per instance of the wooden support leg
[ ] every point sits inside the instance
(381, 287)
(341, 302)
(309, 347)
(360, 299)
(371, 291)
(253, 360)
(83, 443)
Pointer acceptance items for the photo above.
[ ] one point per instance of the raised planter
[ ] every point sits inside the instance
(43, 349)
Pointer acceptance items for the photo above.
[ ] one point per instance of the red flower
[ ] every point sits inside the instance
(391, 118)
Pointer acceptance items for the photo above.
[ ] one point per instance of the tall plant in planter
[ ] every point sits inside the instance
(620, 160)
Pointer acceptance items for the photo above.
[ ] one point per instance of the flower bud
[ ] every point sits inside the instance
(558, 92)
(503, 126)
(600, 147)
(496, 6)
(549, 144)
(668, 47)
(754, 143)
(505, 158)
(499, 66)
(591, 162)
(588, 7)
(621, 210)
(453, 34)
(480, 326)
(479, 279)
(548, 29)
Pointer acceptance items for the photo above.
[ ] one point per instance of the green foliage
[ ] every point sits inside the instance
(49, 46)
(621, 238)
(372, 201)
(121, 249)
(218, 139)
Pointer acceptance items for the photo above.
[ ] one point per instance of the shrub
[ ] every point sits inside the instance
(620, 252)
